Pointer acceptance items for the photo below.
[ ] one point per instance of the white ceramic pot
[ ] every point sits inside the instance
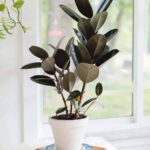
(68, 134)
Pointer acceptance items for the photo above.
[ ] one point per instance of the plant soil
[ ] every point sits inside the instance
(70, 117)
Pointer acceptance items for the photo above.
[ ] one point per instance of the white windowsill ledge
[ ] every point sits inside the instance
(97, 141)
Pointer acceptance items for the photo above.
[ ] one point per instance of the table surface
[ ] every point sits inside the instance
(85, 147)
(93, 141)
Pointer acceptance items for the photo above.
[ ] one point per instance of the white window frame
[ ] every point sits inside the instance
(33, 129)
(29, 92)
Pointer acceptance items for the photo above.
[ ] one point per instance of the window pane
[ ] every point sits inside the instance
(44, 21)
(146, 64)
(115, 75)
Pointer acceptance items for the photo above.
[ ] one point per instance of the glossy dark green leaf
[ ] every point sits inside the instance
(40, 77)
(107, 48)
(61, 58)
(104, 5)
(109, 35)
(84, 54)
(87, 72)
(98, 20)
(44, 80)
(61, 110)
(74, 95)
(84, 7)
(86, 28)
(91, 45)
(38, 52)
(89, 101)
(100, 47)
(98, 89)
(80, 54)
(48, 65)
(32, 65)
(68, 46)
(80, 36)
(106, 57)
(75, 55)
(70, 12)
(96, 45)
(68, 81)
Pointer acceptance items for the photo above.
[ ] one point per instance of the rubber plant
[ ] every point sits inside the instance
(10, 16)
(88, 53)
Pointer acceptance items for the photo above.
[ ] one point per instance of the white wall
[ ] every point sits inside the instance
(18, 124)
(10, 125)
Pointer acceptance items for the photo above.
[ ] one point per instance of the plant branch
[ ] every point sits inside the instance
(20, 23)
(80, 101)
(61, 93)
(14, 22)
(82, 93)
(70, 108)
(18, 19)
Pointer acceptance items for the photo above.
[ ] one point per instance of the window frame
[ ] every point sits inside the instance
(31, 100)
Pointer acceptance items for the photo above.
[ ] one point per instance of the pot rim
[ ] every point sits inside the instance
(57, 123)
(64, 120)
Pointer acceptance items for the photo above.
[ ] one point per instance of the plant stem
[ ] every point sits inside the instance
(70, 108)
(20, 23)
(18, 19)
(82, 92)
(64, 102)
(61, 93)
(77, 114)
(14, 22)
(80, 101)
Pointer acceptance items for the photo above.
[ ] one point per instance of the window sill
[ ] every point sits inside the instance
(111, 129)
(94, 141)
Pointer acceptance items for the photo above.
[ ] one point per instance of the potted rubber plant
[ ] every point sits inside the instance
(88, 53)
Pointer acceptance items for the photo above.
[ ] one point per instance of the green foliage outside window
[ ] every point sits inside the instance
(10, 16)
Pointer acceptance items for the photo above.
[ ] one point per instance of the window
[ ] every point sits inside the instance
(146, 63)
(123, 83)
(116, 75)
